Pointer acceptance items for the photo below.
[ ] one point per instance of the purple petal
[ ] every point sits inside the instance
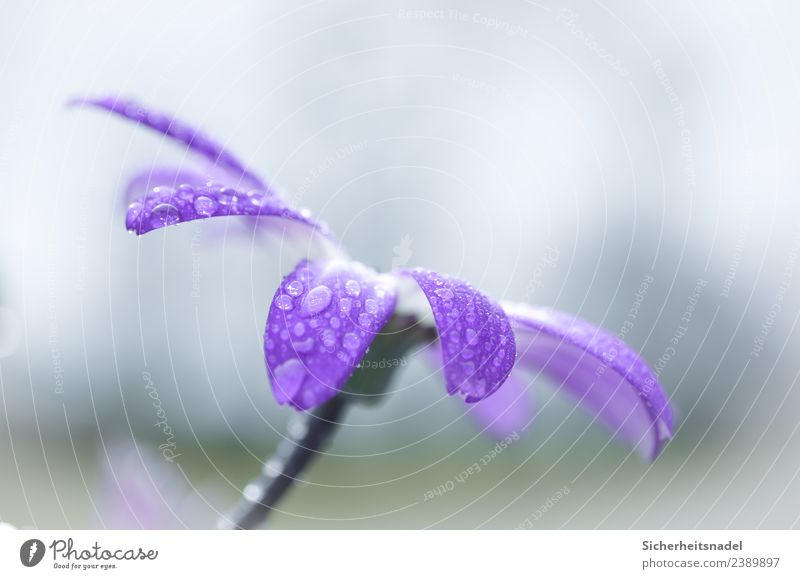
(322, 320)
(607, 377)
(180, 131)
(509, 410)
(478, 348)
(166, 206)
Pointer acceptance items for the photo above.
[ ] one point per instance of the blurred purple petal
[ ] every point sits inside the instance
(608, 378)
(181, 132)
(165, 206)
(478, 348)
(139, 490)
(321, 322)
(509, 410)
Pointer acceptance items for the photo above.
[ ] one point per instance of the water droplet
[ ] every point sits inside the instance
(299, 329)
(294, 288)
(345, 304)
(371, 306)
(351, 341)
(328, 338)
(227, 196)
(303, 346)
(164, 215)
(284, 302)
(289, 377)
(444, 293)
(164, 192)
(364, 320)
(472, 337)
(352, 288)
(335, 322)
(205, 206)
(316, 301)
(467, 354)
(284, 334)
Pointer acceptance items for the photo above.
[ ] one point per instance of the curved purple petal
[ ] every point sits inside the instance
(165, 206)
(181, 132)
(607, 377)
(478, 347)
(321, 322)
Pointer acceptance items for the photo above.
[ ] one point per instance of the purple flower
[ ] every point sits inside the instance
(328, 312)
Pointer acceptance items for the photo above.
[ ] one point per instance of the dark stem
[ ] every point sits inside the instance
(309, 432)
(306, 436)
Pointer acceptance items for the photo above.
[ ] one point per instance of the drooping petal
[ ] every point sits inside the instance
(478, 348)
(165, 206)
(181, 132)
(607, 377)
(321, 322)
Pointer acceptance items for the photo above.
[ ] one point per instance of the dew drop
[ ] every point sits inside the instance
(351, 341)
(316, 301)
(227, 196)
(289, 377)
(472, 337)
(294, 288)
(284, 302)
(205, 206)
(352, 288)
(164, 215)
(345, 304)
(303, 346)
(328, 338)
(299, 329)
(371, 306)
(444, 293)
(364, 320)
(467, 354)
(335, 322)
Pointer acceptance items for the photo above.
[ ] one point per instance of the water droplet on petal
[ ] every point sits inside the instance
(316, 300)
(289, 377)
(345, 304)
(472, 337)
(351, 341)
(328, 338)
(294, 288)
(444, 293)
(352, 288)
(335, 322)
(299, 329)
(227, 197)
(284, 302)
(467, 354)
(304, 346)
(163, 215)
(364, 320)
(371, 306)
(205, 206)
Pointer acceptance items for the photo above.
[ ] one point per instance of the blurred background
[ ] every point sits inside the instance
(600, 158)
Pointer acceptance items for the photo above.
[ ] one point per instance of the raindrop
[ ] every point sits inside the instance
(205, 206)
(304, 346)
(364, 320)
(472, 337)
(164, 215)
(371, 306)
(289, 377)
(328, 338)
(284, 302)
(299, 329)
(352, 288)
(345, 304)
(351, 341)
(316, 301)
(294, 288)
(335, 322)
(444, 293)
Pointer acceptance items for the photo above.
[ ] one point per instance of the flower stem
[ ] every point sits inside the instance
(307, 434)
